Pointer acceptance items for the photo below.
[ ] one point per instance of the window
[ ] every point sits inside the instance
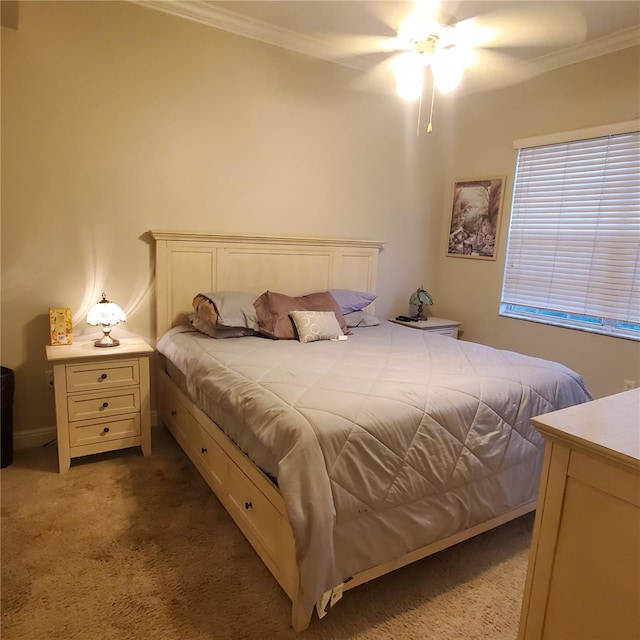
(573, 255)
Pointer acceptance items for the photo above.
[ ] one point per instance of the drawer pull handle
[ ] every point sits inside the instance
(105, 405)
(204, 449)
(247, 505)
(105, 430)
(103, 376)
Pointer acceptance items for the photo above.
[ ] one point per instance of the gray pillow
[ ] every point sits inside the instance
(217, 330)
(227, 308)
(361, 319)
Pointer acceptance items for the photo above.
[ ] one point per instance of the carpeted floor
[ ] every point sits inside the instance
(127, 547)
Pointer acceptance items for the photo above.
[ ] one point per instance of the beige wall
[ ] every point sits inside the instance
(117, 119)
(597, 92)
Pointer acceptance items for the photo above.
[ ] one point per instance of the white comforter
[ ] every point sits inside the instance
(382, 443)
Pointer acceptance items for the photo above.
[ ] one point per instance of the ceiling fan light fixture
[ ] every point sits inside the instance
(447, 71)
(408, 70)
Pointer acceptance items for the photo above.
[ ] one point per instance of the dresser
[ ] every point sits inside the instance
(102, 398)
(435, 325)
(583, 579)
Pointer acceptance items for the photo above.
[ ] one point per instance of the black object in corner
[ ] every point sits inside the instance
(7, 382)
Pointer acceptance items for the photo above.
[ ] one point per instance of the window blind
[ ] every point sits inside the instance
(574, 241)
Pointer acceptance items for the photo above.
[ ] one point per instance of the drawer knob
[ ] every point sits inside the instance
(103, 376)
(105, 430)
(247, 505)
(204, 449)
(105, 405)
(174, 413)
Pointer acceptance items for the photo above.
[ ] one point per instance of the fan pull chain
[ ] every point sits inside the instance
(433, 98)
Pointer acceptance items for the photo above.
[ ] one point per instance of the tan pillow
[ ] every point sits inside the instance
(316, 325)
(273, 311)
(205, 310)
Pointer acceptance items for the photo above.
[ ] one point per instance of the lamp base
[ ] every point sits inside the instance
(106, 341)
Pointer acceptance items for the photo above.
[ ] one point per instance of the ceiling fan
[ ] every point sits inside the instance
(429, 45)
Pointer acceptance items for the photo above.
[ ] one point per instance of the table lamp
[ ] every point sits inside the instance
(419, 298)
(105, 314)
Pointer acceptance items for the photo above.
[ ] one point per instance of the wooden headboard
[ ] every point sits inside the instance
(189, 263)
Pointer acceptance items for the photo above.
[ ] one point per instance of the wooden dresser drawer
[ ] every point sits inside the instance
(105, 375)
(102, 405)
(176, 416)
(215, 462)
(256, 516)
(95, 431)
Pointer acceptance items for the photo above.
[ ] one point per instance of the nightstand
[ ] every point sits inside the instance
(102, 398)
(435, 325)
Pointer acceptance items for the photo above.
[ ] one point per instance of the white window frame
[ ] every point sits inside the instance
(573, 252)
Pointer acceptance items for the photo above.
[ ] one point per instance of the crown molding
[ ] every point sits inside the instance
(226, 20)
(593, 49)
(214, 16)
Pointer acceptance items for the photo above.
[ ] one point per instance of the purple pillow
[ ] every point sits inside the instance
(349, 300)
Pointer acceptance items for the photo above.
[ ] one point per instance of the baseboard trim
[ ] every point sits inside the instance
(33, 438)
(39, 437)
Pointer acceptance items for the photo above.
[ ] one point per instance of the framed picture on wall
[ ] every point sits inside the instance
(475, 218)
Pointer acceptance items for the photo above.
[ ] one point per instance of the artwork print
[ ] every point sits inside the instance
(475, 218)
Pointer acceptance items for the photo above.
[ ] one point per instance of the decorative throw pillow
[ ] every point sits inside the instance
(273, 309)
(361, 319)
(316, 325)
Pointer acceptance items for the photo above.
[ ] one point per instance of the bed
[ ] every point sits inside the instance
(342, 460)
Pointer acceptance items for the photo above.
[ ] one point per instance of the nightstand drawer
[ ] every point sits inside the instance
(95, 431)
(446, 331)
(100, 405)
(106, 375)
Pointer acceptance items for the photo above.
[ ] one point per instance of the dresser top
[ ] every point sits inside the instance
(85, 350)
(609, 426)
(430, 323)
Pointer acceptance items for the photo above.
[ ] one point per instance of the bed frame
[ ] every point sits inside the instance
(189, 263)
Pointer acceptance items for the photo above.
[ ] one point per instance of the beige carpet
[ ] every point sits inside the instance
(129, 547)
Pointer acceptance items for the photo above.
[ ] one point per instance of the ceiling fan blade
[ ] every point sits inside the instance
(378, 78)
(538, 24)
(390, 18)
(358, 44)
(494, 70)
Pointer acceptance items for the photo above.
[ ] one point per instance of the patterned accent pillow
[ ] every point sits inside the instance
(316, 325)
